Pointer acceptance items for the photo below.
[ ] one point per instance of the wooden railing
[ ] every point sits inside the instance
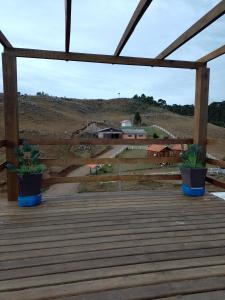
(113, 161)
(116, 161)
(2, 143)
(219, 163)
(107, 178)
(2, 166)
(96, 141)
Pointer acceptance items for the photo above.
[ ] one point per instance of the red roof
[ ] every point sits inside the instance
(157, 148)
(179, 147)
(92, 166)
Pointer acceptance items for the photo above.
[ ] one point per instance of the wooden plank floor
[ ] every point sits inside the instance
(128, 245)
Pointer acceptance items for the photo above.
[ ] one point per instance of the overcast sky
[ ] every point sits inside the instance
(97, 26)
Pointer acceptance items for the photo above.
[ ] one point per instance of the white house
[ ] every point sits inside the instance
(126, 123)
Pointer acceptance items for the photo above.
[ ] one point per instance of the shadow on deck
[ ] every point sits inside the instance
(128, 245)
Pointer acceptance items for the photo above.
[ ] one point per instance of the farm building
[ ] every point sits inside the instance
(159, 150)
(110, 133)
(125, 123)
(165, 150)
(177, 149)
(134, 133)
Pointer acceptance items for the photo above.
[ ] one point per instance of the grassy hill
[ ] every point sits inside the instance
(52, 116)
(45, 116)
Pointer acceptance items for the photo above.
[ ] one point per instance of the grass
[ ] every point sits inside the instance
(151, 130)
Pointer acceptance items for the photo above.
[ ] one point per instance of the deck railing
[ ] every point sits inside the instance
(49, 162)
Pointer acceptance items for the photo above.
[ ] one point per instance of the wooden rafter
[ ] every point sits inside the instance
(105, 59)
(4, 41)
(138, 13)
(68, 6)
(201, 24)
(214, 54)
(96, 141)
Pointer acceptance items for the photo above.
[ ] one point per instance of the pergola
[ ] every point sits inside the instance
(9, 64)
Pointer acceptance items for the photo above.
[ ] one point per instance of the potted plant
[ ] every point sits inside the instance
(29, 171)
(193, 171)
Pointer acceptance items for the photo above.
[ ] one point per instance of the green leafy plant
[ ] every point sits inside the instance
(28, 158)
(193, 157)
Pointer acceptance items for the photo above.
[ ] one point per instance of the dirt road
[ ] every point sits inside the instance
(71, 188)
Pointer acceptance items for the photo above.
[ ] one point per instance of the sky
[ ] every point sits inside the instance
(97, 26)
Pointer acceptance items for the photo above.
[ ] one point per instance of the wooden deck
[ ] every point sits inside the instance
(129, 245)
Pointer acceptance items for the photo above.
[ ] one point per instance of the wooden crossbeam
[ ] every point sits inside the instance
(114, 161)
(107, 178)
(212, 55)
(216, 12)
(215, 182)
(68, 7)
(96, 141)
(2, 143)
(4, 41)
(104, 59)
(215, 162)
(138, 13)
(215, 141)
(2, 166)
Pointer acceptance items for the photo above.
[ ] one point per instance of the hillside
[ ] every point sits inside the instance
(61, 117)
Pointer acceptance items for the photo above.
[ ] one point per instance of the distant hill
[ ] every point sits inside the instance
(46, 115)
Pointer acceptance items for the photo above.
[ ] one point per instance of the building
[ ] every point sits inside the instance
(165, 151)
(178, 149)
(134, 133)
(159, 150)
(125, 123)
(110, 133)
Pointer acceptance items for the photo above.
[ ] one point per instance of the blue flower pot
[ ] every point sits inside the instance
(193, 192)
(27, 201)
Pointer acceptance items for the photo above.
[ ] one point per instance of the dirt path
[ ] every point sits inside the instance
(71, 188)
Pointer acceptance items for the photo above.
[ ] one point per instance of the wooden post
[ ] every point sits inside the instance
(11, 118)
(201, 108)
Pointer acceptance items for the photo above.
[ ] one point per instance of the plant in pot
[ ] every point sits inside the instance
(193, 171)
(29, 171)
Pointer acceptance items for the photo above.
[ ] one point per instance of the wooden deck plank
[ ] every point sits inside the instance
(148, 245)
(71, 287)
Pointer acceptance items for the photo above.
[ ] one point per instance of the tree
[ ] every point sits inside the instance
(162, 102)
(135, 97)
(143, 96)
(137, 119)
(155, 136)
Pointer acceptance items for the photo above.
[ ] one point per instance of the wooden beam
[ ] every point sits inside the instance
(107, 178)
(215, 182)
(11, 119)
(200, 25)
(137, 15)
(212, 55)
(2, 143)
(215, 162)
(104, 59)
(215, 141)
(68, 7)
(4, 41)
(113, 161)
(201, 108)
(2, 166)
(96, 141)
